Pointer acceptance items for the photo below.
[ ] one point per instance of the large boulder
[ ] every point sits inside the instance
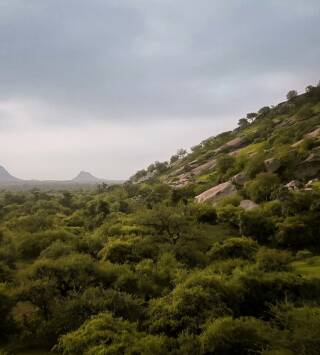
(239, 179)
(293, 185)
(232, 145)
(309, 168)
(272, 165)
(313, 134)
(248, 205)
(217, 192)
(204, 167)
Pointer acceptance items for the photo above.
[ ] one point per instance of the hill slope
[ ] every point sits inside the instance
(283, 140)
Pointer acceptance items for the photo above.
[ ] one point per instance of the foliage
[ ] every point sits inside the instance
(141, 268)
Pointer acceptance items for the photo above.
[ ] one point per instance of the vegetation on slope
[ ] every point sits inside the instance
(142, 268)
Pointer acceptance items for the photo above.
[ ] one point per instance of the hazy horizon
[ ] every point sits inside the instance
(112, 86)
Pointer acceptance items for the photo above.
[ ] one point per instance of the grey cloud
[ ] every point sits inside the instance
(141, 59)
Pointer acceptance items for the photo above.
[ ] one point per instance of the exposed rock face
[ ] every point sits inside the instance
(248, 204)
(311, 182)
(272, 165)
(231, 145)
(239, 179)
(204, 167)
(310, 168)
(217, 192)
(313, 134)
(293, 185)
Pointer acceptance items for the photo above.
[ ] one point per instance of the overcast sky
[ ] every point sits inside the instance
(110, 86)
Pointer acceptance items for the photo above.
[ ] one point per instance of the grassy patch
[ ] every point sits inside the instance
(309, 267)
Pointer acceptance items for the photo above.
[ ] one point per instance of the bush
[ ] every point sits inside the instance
(305, 112)
(292, 94)
(229, 214)
(301, 328)
(303, 254)
(255, 165)
(206, 214)
(224, 163)
(253, 223)
(241, 336)
(298, 231)
(270, 260)
(234, 248)
(263, 187)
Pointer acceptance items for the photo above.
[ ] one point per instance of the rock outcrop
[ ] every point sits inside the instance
(216, 193)
(239, 179)
(313, 134)
(272, 165)
(204, 167)
(231, 145)
(293, 185)
(248, 204)
(309, 168)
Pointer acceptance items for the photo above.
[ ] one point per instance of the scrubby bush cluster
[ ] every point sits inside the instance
(131, 270)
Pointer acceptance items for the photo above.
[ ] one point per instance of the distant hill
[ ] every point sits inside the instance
(83, 178)
(6, 177)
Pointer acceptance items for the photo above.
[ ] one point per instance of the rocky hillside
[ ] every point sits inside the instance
(280, 142)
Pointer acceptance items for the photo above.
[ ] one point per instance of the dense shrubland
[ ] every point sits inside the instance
(142, 269)
(100, 273)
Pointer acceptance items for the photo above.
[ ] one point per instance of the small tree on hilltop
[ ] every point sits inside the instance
(264, 110)
(243, 123)
(251, 116)
(292, 94)
(181, 153)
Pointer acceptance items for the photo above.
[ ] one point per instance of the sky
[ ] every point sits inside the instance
(110, 86)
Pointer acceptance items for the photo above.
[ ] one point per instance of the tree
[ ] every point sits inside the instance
(310, 89)
(181, 153)
(251, 116)
(170, 223)
(264, 110)
(243, 123)
(292, 94)
(234, 248)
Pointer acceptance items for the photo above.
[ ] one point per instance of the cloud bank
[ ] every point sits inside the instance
(110, 86)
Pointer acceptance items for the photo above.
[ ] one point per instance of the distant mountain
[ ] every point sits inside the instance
(85, 177)
(6, 177)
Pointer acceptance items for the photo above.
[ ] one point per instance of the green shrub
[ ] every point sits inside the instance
(241, 336)
(263, 187)
(270, 260)
(253, 223)
(234, 248)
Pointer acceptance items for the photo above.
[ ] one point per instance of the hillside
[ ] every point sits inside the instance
(216, 252)
(283, 140)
